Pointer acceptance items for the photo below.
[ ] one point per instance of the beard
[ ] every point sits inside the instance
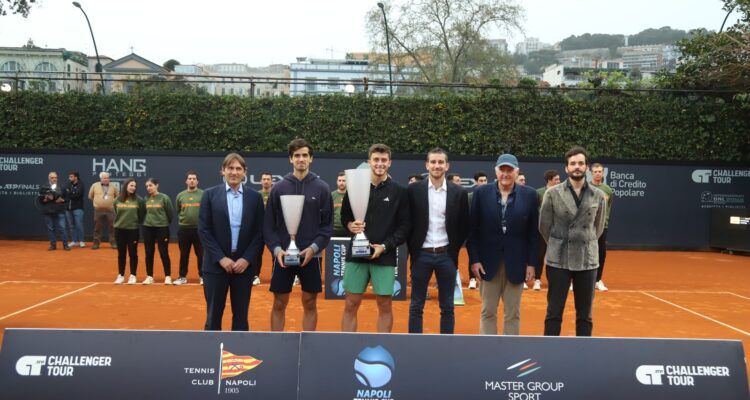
(577, 177)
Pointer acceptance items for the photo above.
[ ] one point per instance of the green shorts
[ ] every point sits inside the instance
(357, 275)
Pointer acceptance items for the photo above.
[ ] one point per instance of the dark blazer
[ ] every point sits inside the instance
(456, 218)
(214, 231)
(487, 243)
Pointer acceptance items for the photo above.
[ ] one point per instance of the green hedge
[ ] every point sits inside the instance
(622, 126)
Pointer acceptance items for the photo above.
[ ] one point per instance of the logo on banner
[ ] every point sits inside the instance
(677, 375)
(374, 367)
(58, 365)
(230, 367)
(723, 176)
(30, 365)
(722, 200)
(523, 388)
(119, 168)
(626, 184)
(525, 367)
(649, 374)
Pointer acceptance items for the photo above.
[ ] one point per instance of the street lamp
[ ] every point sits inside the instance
(388, 46)
(98, 61)
(725, 18)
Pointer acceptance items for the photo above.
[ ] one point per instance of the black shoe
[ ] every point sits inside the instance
(66, 248)
(95, 246)
(51, 247)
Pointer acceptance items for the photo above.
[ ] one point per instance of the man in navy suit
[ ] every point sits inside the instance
(231, 228)
(440, 210)
(502, 244)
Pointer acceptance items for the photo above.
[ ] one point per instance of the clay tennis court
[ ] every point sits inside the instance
(699, 295)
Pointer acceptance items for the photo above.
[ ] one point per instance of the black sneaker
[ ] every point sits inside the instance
(51, 247)
(95, 246)
(66, 248)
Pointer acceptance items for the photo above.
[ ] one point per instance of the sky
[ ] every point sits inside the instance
(265, 32)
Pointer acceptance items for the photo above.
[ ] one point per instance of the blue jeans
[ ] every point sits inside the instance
(421, 272)
(75, 219)
(56, 222)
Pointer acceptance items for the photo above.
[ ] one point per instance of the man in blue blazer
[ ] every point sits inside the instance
(502, 244)
(231, 228)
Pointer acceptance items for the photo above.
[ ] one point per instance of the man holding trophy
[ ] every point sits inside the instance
(297, 228)
(376, 210)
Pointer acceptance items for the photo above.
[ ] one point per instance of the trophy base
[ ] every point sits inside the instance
(291, 260)
(361, 251)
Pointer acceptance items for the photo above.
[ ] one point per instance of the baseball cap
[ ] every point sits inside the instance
(507, 159)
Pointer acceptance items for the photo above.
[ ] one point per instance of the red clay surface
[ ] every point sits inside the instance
(652, 294)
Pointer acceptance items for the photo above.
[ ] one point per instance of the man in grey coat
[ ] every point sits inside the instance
(571, 220)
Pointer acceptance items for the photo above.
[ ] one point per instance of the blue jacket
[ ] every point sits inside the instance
(517, 247)
(316, 224)
(215, 233)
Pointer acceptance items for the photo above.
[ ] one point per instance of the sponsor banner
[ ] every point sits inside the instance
(654, 206)
(335, 265)
(391, 367)
(53, 364)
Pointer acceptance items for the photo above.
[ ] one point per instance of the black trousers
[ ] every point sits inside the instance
(602, 254)
(541, 257)
(127, 243)
(215, 288)
(157, 235)
(187, 237)
(557, 294)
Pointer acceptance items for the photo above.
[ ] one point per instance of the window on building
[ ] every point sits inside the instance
(333, 84)
(11, 66)
(46, 67)
(309, 84)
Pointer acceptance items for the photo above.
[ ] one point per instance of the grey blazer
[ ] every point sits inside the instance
(572, 232)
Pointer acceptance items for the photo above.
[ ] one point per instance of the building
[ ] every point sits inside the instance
(46, 70)
(124, 74)
(559, 75)
(242, 80)
(530, 45)
(590, 58)
(500, 44)
(650, 58)
(313, 76)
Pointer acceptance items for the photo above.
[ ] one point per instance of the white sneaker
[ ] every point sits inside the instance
(82, 244)
(525, 286)
(296, 281)
(472, 283)
(168, 280)
(180, 281)
(600, 286)
(120, 279)
(131, 280)
(201, 282)
(538, 284)
(72, 244)
(571, 287)
(256, 281)
(149, 280)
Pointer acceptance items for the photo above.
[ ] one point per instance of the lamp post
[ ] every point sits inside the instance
(98, 61)
(388, 47)
(725, 18)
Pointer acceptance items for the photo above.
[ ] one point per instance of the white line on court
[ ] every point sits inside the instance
(698, 314)
(47, 301)
(740, 296)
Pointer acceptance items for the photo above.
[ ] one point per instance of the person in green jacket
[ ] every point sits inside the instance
(597, 180)
(159, 212)
(188, 207)
(129, 213)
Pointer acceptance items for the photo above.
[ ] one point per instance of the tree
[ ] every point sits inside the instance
(538, 60)
(711, 60)
(444, 39)
(22, 7)
(170, 64)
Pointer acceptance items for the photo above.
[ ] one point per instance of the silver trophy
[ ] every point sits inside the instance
(291, 207)
(358, 190)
